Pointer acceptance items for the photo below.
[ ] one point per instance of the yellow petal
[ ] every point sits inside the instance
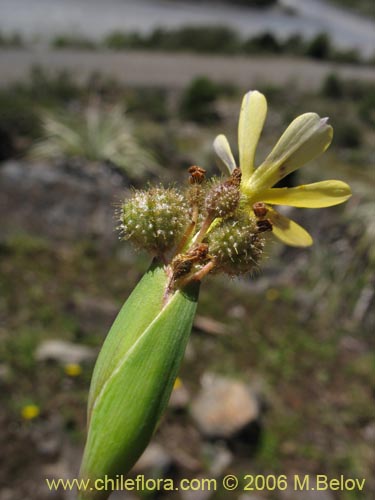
(306, 138)
(222, 149)
(252, 116)
(288, 231)
(316, 195)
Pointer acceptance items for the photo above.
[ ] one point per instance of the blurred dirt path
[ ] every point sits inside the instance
(176, 70)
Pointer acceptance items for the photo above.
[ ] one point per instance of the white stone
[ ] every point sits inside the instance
(224, 406)
(64, 352)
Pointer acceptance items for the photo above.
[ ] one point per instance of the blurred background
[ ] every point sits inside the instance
(98, 96)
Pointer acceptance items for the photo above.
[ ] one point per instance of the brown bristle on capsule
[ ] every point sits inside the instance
(199, 252)
(235, 177)
(182, 264)
(181, 268)
(197, 174)
(260, 209)
(264, 225)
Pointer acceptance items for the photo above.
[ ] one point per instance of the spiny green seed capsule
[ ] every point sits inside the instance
(236, 245)
(223, 199)
(155, 219)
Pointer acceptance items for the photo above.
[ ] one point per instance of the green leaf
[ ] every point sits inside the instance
(147, 342)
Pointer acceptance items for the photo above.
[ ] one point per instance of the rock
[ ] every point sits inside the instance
(190, 352)
(219, 458)
(66, 467)
(352, 344)
(237, 312)
(224, 406)
(183, 442)
(123, 495)
(60, 200)
(58, 470)
(180, 397)
(49, 437)
(209, 325)
(312, 494)
(4, 372)
(363, 304)
(249, 497)
(64, 352)
(50, 447)
(154, 457)
(202, 494)
(6, 494)
(369, 433)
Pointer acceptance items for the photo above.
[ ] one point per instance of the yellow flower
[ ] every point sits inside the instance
(73, 369)
(29, 412)
(177, 384)
(272, 294)
(306, 138)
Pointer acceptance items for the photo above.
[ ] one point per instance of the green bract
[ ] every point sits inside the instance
(134, 376)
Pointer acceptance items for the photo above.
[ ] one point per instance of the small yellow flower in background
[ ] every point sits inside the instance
(177, 384)
(306, 138)
(29, 412)
(73, 369)
(272, 294)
